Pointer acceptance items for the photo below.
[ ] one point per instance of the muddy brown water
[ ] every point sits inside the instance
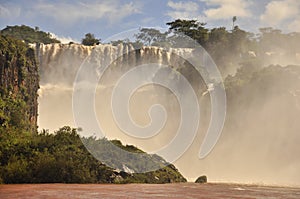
(181, 190)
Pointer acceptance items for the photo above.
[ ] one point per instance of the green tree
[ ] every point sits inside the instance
(28, 34)
(90, 40)
(18, 85)
(233, 21)
(62, 157)
(218, 45)
(190, 28)
(240, 41)
(127, 42)
(218, 37)
(150, 36)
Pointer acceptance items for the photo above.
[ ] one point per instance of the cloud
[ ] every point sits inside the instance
(70, 12)
(183, 10)
(185, 6)
(294, 26)
(64, 40)
(212, 11)
(279, 12)
(8, 11)
(222, 9)
(4, 11)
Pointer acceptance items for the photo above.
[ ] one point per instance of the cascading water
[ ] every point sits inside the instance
(59, 64)
(259, 140)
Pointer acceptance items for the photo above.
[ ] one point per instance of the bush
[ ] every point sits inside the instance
(62, 158)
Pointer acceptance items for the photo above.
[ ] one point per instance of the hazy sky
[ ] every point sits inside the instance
(72, 19)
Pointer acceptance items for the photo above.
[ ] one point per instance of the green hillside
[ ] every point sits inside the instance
(28, 34)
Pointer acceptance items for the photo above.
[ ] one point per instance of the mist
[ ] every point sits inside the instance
(259, 143)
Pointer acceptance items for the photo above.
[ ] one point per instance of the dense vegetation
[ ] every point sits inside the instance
(28, 34)
(19, 82)
(230, 49)
(61, 157)
(90, 40)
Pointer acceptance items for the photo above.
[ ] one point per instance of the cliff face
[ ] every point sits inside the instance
(19, 82)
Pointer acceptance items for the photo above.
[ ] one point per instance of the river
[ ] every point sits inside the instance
(181, 190)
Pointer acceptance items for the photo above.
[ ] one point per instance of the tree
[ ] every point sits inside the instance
(126, 42)
(28, 34)
(117, 42)
(233, 21)
(183, 26)
(218, 44)
(148, 36)
(218, 35)
(190, 28)
(90, 40)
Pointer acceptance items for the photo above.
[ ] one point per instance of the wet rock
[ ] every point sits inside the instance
(201, 179)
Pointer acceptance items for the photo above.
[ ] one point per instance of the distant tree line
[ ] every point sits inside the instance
(230, 49)
(28, 34)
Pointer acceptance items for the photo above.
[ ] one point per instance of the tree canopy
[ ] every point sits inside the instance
(190, 28)
(62, 158)
(28, 34)
(151, 36)
(90, 40)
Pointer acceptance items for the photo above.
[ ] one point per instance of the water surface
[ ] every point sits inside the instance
(181, 190)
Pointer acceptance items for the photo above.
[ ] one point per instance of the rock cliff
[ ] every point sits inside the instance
(19, 82)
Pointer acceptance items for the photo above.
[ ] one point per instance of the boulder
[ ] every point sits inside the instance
(201, 179)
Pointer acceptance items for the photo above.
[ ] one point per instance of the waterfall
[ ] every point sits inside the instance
(259, 140)
(59, 64)
(66, 68)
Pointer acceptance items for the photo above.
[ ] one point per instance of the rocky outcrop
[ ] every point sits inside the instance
(19, 82)
(201, 179)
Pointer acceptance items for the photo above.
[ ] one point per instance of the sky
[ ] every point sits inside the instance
(71, 20)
